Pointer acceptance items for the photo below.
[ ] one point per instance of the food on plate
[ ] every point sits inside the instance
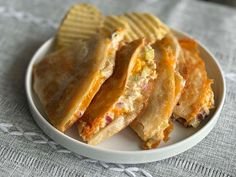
(81, 22)
(114, 22)
(153, 125)
(67, 80)
(109, 72)
(123, 95)
(197, 98)
(144, 25)
(179, 86)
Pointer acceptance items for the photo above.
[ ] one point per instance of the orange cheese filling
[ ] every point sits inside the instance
(138, 66)
(118, 111)
(85, 102)
(87, 99)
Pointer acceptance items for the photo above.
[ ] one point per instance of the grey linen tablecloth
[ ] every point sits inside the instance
(26, 151)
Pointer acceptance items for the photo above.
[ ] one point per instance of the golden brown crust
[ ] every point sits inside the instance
(197, 97)
(67, 80)
(109, 92)
(111, 107)
(122, 122)
(151, 124)
(179, 86)
(167, 131)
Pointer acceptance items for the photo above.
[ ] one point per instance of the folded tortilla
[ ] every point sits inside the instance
(122, 96)
(197, 98)
(153, 124)
(67, 80)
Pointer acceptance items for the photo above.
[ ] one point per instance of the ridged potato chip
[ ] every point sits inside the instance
(144, 25)
(83, 21)
(111, 23)
(80, 23)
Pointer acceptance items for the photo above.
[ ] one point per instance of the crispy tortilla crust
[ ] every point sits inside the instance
(197, 97)
(151, 124)
(109, 92)
(179, 86)
(122, 122)
(93, 128)
(67, 80)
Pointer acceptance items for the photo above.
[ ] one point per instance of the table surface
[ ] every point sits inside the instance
(26, 151)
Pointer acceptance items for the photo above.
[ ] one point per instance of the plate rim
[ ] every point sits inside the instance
(206, 128)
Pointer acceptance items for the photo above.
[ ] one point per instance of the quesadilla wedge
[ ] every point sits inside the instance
(122, 96)
(197, 98)
(67, 80)
(153, 124)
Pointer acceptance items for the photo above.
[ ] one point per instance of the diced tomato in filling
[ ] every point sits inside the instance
(108, 120)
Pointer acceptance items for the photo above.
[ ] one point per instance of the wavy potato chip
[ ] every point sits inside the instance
(144, 25)
(113, 22)
(83, 21)
(80, 23)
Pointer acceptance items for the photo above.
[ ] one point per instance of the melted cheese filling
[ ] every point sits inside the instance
(142, 72)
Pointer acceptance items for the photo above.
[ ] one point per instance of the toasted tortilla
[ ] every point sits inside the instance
(179, 86)
(67, 80)
(122, 96)
(153, 124)
(197, 98)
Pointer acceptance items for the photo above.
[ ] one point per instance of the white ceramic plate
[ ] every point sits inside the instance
(124, 147)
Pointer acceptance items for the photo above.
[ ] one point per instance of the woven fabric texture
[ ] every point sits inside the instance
(26, 151)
